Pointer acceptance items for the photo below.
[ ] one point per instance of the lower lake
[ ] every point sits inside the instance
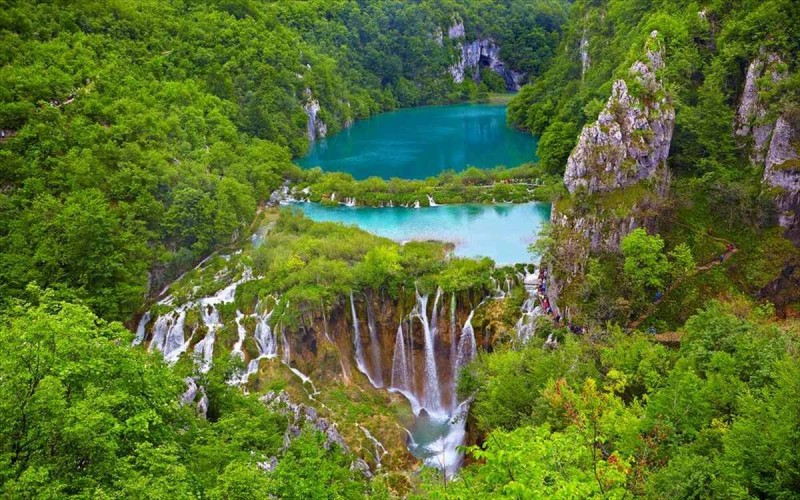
(502, 232)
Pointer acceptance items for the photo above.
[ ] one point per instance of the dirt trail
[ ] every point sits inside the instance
(730, 250)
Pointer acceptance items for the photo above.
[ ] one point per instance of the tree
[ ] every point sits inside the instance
(645, 262)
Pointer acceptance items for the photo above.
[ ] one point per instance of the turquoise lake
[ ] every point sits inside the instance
(417, 143)
(501, 232)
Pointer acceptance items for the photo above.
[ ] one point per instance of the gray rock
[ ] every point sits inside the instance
(311, 414)
(782, 172)
(361, 466)
(332, 437)
(484, 52)
(269, 465)
(321, 424)
(751, 121)
(630, 140)
(456, 30)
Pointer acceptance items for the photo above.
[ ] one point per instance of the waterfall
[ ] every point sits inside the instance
(400, 362)
(531, 310)
(205, 348)
(357, 344)
(380, 450)
(349, 202)
(265, 337)
(416, 204)
(466, 345)
(140, 330)
(431, 202)
(432, 396)
(453, 347)
(374, 347)
(241, 333)
(168, 336)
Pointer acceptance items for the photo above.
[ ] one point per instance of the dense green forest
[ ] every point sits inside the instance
(142, 137)
(139, 136)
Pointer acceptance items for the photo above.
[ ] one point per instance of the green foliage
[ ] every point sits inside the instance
(473, 185)
(85, 415)
(624, 416)
(143, 135)
(645, 262)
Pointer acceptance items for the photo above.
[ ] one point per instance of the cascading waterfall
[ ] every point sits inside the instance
(357, 344)
(466, 345)
(168, 336)
(374, 347)
(401, 368)
(140, 329)
(432, 396)
(531, 310)
(453, 347)
(265, 338)
(205, 348)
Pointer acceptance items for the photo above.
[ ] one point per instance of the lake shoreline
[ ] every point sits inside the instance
(417, 143)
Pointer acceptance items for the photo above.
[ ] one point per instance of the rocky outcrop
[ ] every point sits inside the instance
(773, 143)
(617, 174)
(630, 140)
(477, 54)
(315, 127)
(782, 173)
(751, 122)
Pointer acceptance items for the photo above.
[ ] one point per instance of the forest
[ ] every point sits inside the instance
(141, 143)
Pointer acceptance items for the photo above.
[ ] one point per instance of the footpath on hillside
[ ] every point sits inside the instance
(730, 249)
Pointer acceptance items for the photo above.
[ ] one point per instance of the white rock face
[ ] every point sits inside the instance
(456, 30)
(630, 139)
(484, 52)
(782, 171)
(315, 128)
(750, 121)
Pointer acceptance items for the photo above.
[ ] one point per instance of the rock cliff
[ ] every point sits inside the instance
(616, 175)
(630, 140)
(482, 52)
(772, 142)
(752, 123)
(782, 173)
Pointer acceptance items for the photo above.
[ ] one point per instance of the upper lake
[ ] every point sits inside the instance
(417, 143)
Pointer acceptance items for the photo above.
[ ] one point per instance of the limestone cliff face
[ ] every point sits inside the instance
(782, 173)
(482, 52)
(772, 142)
(617, 174)
(751, 121)
(630, 140)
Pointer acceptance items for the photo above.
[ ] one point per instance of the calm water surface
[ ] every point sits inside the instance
(416, 143)
(501, 232)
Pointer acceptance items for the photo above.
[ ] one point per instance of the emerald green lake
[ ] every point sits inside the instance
(416, 143)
